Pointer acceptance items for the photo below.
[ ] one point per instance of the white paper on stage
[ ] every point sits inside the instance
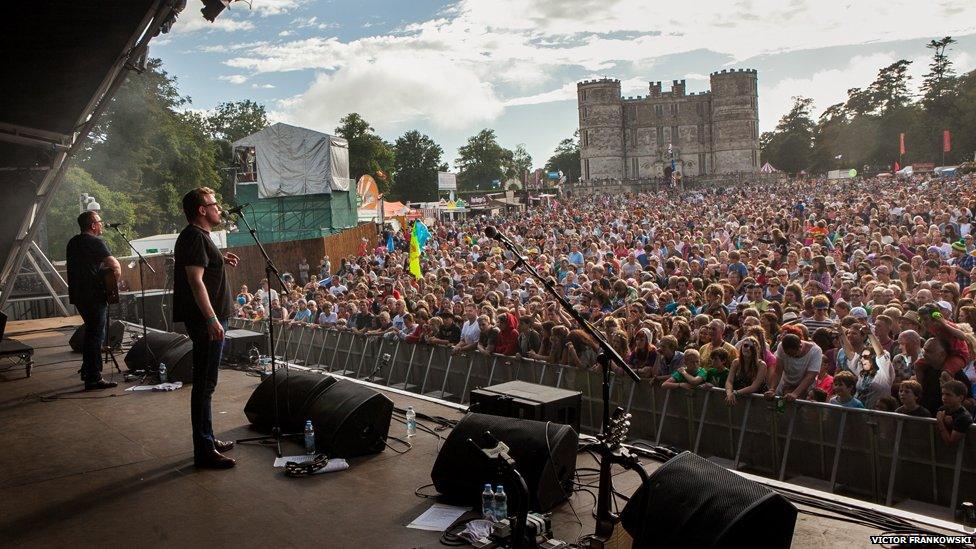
(438, 517)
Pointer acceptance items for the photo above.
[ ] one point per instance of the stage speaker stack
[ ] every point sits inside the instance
(544, 454)
(113, 337)
(692, 502)
(238, 344)
(350, 419)
(174, 350)
(524, 400)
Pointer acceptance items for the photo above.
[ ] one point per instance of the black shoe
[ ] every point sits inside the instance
(100, 384)
(213, 460)
(222, 446)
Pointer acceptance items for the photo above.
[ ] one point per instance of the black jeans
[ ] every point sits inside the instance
(94, 315)
(206, 360)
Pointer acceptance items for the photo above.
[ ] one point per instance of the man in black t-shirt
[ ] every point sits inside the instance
(87, 258)
(202, 301)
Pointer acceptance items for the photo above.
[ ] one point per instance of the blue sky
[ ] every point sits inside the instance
(450, 69)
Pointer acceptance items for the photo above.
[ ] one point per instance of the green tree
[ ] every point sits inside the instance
(521, 163)
(417, 160)
(62, 215)
(938, 82)
(789, 146)
(233, 120)
(889, 91)
(368, 153)
(566, 158)
(148, 146)
(481, 160)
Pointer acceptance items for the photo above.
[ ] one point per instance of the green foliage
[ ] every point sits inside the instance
(368, 152)
(63, 212)
(236, 119)
(482, 160)
(864, 130)
(417, 160)
(521, 163)
(566, 158)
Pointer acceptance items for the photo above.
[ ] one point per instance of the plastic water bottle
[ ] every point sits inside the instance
(488, 503)
(411, 421)
(309, 438)
(501, 503)
(162, 372)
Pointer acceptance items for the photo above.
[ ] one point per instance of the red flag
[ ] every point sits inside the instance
(901, 143)
(946, 141)
(897, 166)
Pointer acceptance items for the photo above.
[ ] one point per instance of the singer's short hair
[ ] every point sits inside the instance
(86, 219)
(193, 200)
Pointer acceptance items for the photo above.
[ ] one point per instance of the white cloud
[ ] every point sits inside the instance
(271, 7)
(263, 86)
(285, 33)
(234, 78)
(192, 21)
(479, 56)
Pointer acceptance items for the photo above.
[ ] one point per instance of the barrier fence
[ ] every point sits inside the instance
(878, 456)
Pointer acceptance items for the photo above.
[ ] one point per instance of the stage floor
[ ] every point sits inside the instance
(113, 468)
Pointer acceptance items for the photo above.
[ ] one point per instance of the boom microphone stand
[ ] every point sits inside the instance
(609, 447)
(271, 272)
(142, 290)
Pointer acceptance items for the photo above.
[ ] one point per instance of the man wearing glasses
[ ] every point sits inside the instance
(87, 258)
(202, 301)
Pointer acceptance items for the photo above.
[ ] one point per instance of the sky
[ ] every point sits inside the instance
(451, 69)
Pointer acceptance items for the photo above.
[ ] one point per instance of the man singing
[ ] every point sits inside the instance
(202, 301)
(87, 259)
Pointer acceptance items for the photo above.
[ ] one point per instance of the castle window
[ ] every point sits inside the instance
(585, 138)
(632, 114)
(586, 168)
(659, 110)
(700, 107)
(754, 157)
(634, 168)
(674, 109)
(701, 133)
(701, 163)
(674, 134)
(660, 135)
(584, 95)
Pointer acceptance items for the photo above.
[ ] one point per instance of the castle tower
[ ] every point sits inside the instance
(601, 129)
(735, 121)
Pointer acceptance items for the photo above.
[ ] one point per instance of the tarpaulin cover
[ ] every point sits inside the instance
(295, 161)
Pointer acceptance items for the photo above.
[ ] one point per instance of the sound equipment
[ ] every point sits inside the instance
(238, 344)
(158, 308)
(111, 286)
(544, 454)
(113, 337)
(349, 419)
(692, 502)
(174, 350)
(523, 400)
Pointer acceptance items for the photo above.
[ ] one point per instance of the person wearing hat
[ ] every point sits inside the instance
(821, 315)
(861, 314)
(961, 263)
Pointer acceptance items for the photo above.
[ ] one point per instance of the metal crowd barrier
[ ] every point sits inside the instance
(882, 457)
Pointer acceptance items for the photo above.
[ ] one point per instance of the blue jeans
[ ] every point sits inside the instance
(206, 361)
(95, 317)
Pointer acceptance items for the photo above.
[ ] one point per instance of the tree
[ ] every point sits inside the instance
(416, 164)
(521, 163)
(148, 146)
(938, 82)
(889, 91)
(368, 153)
(233, 120)
(566, 158)
(789, 146)
(62, 215)
(481, 160)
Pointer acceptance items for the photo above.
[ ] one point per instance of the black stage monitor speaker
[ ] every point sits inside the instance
(174, 350)
(113, 337)
(529, 401)
(544, 453)
(692, 502)
(350, 419)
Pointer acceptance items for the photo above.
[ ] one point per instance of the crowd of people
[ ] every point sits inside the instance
(858, 292)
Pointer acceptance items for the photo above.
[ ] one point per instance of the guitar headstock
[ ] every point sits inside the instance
(618, 428)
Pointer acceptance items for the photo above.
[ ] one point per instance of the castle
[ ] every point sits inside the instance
(628, 138)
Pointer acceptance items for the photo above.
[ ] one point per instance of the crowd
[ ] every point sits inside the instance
(859, 293)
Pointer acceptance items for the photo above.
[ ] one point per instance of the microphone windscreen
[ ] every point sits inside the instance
(491, 232)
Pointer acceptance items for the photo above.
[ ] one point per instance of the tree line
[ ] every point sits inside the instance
(149, 147)
(864, 131)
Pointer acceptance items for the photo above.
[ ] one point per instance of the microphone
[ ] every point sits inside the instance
(113, 225)
(236, 210)
(492, 232)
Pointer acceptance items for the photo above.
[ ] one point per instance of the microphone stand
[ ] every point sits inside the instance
(271, 272)
(142, 292)
(608, 447)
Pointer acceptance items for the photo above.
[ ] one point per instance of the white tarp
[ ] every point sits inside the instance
(296, 161)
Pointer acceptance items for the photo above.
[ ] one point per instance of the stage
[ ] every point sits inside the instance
(111, 468)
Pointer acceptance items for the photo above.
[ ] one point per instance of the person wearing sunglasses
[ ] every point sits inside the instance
(202, 301)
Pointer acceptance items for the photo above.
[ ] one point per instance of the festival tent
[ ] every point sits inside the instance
(907, 171)
(767, 168)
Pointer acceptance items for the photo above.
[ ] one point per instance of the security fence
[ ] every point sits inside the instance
(882, 457)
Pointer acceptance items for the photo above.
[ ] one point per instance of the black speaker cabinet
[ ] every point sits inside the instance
(692, 502)
(113, 337)
(174, 350)
(350, 419)
(544, 453)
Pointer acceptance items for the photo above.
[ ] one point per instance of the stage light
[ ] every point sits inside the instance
(212, 8)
